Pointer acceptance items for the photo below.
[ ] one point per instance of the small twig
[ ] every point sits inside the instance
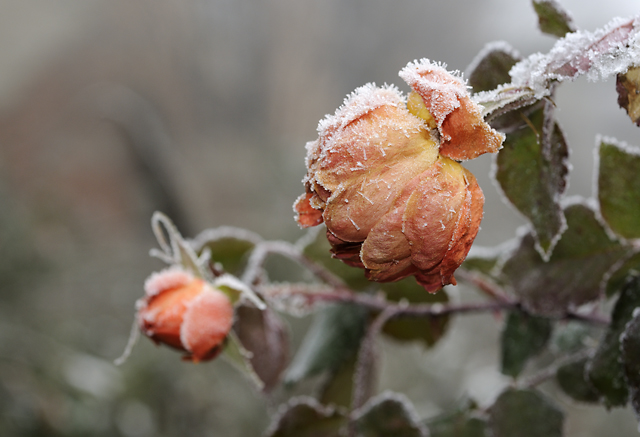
(550, 371)
(489, 288)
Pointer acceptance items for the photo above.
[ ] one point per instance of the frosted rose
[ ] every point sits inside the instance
(185, 313)
(393, 203)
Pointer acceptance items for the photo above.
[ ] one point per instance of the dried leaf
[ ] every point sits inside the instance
(264, 335)
(606, 370)
(574, 273)
(628, 88)
(533, 176)
(523, 337)
(553, 18)
(524, 413)
(305, 417)
(388, 415)
(619, 187)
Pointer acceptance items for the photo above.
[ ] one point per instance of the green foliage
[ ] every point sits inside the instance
(532, 172)
(606, 370)
(575, 271)
(552, 18)
(572, 379)
(427, 330)
(463, 422)
(388, 416)
(523, 337)
(630, 348)
(333, 337)
(525, 413)
(304, 417)
(619, 188)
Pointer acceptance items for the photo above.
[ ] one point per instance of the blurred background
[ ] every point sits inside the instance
(111, 109)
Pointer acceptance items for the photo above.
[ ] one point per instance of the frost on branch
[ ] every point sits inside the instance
(600, 54)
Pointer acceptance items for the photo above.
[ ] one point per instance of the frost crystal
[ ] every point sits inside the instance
(361, 101)
(598, 54)
(168, 278)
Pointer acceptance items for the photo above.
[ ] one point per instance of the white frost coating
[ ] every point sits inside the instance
(621, 145)
(222, 232)
(399, 398)
(445, 87)
(495, 46)
(597, 55)
(234, 283)
(171, 277)
(361, 101)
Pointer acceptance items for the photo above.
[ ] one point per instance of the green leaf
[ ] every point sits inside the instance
(320, 251)
(492, 67)
(264, 335)
(523, 337)
(427, 330)
(628, 88)
(552, 18)
(338, 388)
(459, 423)
(305, 417)
(574, 273)
(619, 187)
(534, 176)
(617, 280)
(630, 345)
(524, 413)
(572, 379)
(606, 371)
(388, 415)
(570, 337)
(231, 253)
(333, 338)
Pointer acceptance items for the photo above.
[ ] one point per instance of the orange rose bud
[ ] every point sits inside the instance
(185, 313)
(391, 203)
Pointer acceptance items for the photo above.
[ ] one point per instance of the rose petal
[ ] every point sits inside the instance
(207, 321)
(307, 216)
(429, 221)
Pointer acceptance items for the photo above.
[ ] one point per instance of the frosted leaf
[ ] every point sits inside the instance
(553, 18)
(597, 55)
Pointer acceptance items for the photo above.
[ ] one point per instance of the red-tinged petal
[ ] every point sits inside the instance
(469, 135)
(466, 230)
(357, 206)
(386, 252)
(347, 252)
(432, 213)
(207, 322)
(464, 133)
(161, 317)
(307, 216)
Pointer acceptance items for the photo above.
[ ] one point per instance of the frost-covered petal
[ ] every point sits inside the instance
(207, 322)
(434, 210)
(307, 216)
(463, 131)
(360, 203)
(386, 252)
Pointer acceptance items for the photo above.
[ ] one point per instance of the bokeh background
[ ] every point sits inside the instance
(111, 109)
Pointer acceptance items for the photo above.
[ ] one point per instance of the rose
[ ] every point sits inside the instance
(381, 177)
(185, 313)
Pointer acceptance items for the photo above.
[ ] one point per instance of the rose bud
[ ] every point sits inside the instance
(391, 203)
(185, 313)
